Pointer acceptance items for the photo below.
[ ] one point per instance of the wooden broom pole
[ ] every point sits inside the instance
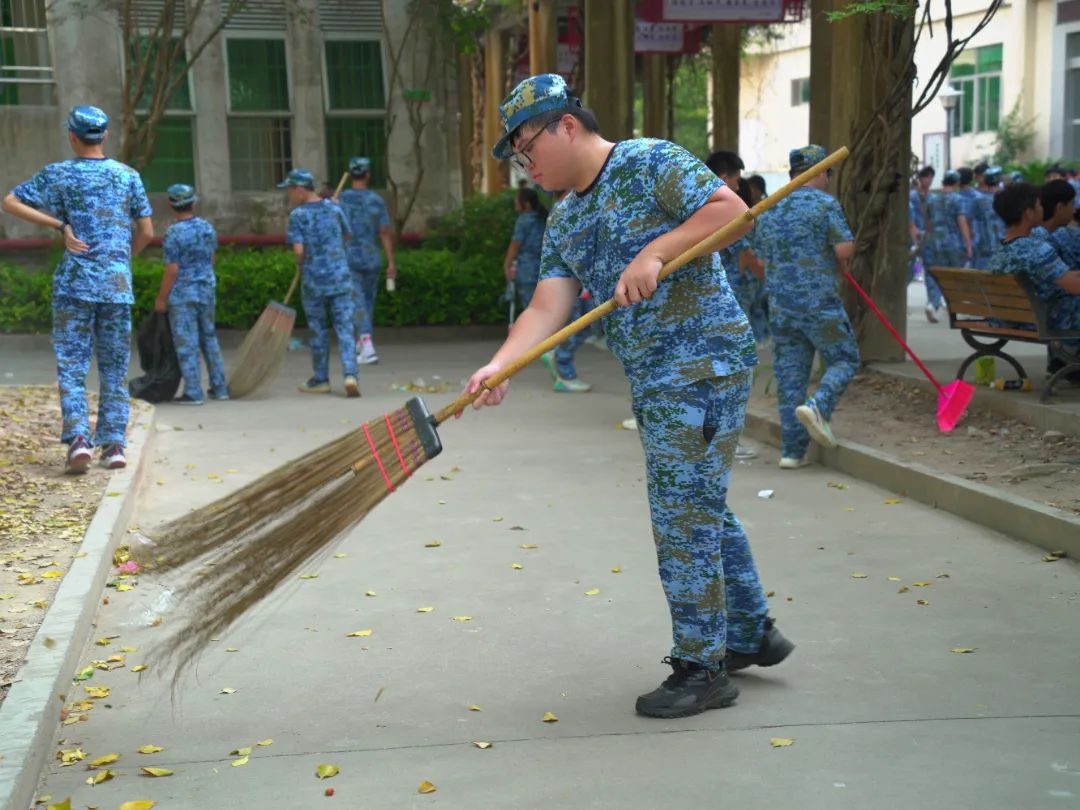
(709, 244)
(340, 186)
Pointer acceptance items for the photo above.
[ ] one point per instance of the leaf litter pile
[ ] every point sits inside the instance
(43, 515)
(897, 417)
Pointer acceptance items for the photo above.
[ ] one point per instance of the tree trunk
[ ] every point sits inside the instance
(725, 41)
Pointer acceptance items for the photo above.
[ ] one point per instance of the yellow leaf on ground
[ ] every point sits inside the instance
(482, 745)
(529, 546)
(97, 692)
(904, 589)
(433, 544)
(309, 576)
(129, 649)
(517, 566)
(370, 593)
(427, 787)
(70, 756)
(549, 717)
(265, 743)
(151, 749)
(858, 575)
(943, 575)
(424, 609)
(123, 586)
(103, 642)
(52, 575)
(64, 805)
(228, 690)
(231, 649)
(326, 771)
(922, 602)
(849, 508)
(461, 618)
(359, 634)
(963, 650)
(496, 520)
(592, 592)
(892, 501)
(157, 771)
(236, 763)
(99, 777)
(340, 556)
(138, 804)
(240, 752)
(108, 759)
(781, 742)
(617, 569)
(894, 579)
(139, 667)
(921, 584)
(474, 708)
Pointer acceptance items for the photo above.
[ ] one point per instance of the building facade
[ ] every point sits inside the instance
(286, 83)
(1028, 57)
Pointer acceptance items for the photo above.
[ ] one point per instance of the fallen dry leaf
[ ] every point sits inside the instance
(781, 742)
(326, 771)
(517, 566)
(922, 602)
(904, 589)
(894, 579)
(157, 771)
(424, 609)
(482, 745)
(892, 501)
(138, 804)
(617, 569)
(97, 692)
(592, 592)
(108, 759)
(359, 634)
(1054, 556)
(309, 576)
(433, 544)
(529, 546)
(340, 556)
(99, 777)
(264, 743)
(474, 708)
(496, 520)
(139, 667)
(228, 690)
(69, 756)
(240, 752)
(427, 787)
(151, 749)
(963, 650)
(549, 717)
(369, 593)
(858, 575)
(461, 618)
(236, 763)
(129, 650)
(64, 805)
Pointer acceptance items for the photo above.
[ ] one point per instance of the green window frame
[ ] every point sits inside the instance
(354, 74)
(26, 70)
(260, 151)
(173, 160)
(351, 135)
(181, 97)
(976, 73)
(259, 124)
(258, 75)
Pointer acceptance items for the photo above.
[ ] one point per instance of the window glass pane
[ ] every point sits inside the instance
(25, 58)
(1072, 46)
(988, 59)
(354, 75)
(980, 108)
(258, 78)
(260, 152)
(1072, 94)
(964, 65)
(181, 97)
(173, 160)
(993, 103)
(805, 91)
(967, 107)
(364, 137)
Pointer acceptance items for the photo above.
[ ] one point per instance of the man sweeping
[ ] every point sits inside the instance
(92, 201)
(687, 351)
(317, 232)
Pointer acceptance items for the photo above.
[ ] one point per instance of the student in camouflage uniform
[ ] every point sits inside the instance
(1058, 199)
(945, 246)
(687, 352)
(92, 200)
(993, 225)
(187, 294)
(806, 240)
(918, 219)
(370, 224)
(317, 232)
(969, 207)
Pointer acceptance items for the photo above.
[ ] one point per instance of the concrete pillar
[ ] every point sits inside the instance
(211, 127)
(542, 36)
(609, 65)
(725, 39)
(821, 53)
(495, 171)
(305, 53)
(654, 120)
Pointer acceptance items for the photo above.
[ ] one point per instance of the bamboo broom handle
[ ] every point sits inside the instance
(707, 245)
(296, 275)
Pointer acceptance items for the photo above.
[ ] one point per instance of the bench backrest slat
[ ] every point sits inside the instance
(980, 294)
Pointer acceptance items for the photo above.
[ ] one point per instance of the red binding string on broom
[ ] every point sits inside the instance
(374, 452)
(397, 449)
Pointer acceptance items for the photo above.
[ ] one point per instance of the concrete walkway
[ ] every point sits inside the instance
(882, 714)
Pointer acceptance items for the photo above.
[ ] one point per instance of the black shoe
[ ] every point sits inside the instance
(774, 649)
(690, 689)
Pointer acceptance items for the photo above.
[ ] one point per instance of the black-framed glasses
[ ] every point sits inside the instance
(521, 158)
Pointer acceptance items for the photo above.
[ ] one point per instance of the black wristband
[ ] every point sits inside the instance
(61, 227)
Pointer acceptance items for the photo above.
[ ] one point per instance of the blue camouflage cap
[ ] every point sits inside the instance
(951, 178)
(298, 177)
(535, 96)
(181, 194)
(1016, 177)
(359, 165)
(805, 157)
(88, 123)
(993, 174)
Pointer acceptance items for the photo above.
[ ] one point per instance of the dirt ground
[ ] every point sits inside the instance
(43, 516)
(897, 417)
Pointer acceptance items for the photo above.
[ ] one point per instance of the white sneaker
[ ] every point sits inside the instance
(794, 463)
(571, 386)
(931, 313)
(629, 424)
(367, 355)
(744, 452)
(814, 422)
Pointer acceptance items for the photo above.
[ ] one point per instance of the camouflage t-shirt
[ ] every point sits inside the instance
(1036, 259)
(99, 198)
(917, 210)
(968, 199)
(321, 227)
(729, 257)
(692, 328)
(1066, 241)
(993, 225)
(190, 244)
(367, 215)
(945, 240)
(529, 231)
(796, 239)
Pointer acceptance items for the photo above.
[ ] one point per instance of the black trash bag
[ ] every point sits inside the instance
(157, 356)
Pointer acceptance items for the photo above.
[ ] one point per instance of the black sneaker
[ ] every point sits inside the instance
(78, 456)
(689, 689)
(774, 649)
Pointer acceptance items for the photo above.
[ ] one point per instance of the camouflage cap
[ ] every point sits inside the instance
(951, 178)
(298, 177)
(993, 174)
(88, 124)
(535, 96)
(181, 194)
(359, 165)
(805, 157)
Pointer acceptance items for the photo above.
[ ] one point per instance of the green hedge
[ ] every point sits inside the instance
(434, 287)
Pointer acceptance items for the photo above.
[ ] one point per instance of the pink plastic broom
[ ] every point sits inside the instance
(953, 398)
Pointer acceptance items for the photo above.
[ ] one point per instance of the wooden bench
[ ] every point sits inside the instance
(998, 306)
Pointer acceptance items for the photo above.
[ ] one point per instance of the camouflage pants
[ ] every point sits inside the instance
(79, 327)
(341, 317)
(796, 336)
(365, 288)
(193, 330)
(706, 568)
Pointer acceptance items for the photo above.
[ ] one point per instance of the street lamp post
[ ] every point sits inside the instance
(949, 97)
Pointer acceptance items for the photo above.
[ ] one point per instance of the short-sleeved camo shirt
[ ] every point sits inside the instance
(190, 244)
(321, 227)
